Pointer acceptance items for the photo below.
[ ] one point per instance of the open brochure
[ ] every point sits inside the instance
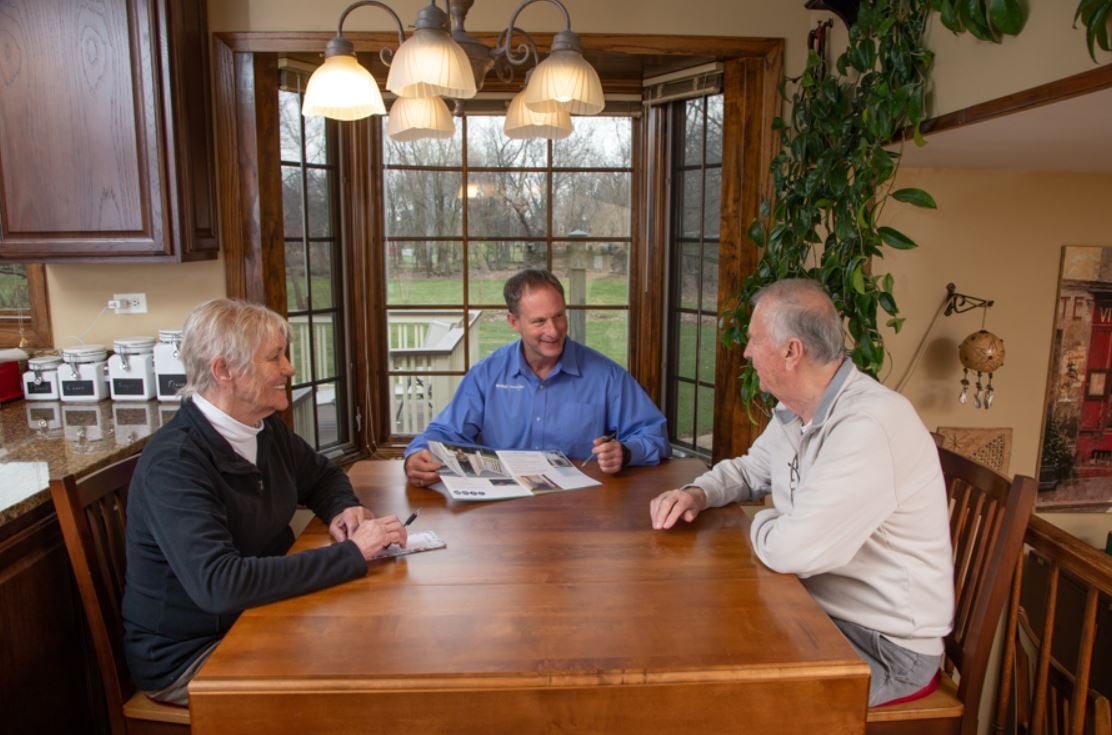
(479, 473)
(423, 541)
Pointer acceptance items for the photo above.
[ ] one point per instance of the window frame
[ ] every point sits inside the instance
(250, 215)
(35, 330)
(550, 240)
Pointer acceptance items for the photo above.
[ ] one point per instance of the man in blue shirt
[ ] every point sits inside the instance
(546, 391)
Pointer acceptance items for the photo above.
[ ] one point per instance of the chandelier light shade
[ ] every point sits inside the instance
(416, 118)
(430, 63)
(522, 123)
(565, 81)
(342, 89)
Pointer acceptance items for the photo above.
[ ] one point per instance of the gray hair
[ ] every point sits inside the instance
(529, 279)
(801, 308)
(226, 328)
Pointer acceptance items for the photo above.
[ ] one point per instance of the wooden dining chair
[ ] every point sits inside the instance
(92, 513)
(988, 517)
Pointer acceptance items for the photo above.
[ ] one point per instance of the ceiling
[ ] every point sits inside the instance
(1073, 135)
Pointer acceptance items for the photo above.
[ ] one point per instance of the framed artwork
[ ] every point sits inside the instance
(1075, 463)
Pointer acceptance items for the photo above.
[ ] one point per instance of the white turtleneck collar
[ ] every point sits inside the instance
(243, 438)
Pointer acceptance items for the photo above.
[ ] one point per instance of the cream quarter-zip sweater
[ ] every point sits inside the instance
(859, 509)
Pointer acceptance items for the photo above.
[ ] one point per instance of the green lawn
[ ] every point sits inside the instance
(606, 331)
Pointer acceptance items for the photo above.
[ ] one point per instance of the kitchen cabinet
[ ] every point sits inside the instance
(105, 131)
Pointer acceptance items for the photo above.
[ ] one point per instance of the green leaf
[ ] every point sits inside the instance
(858, 280)
(756, 232)
(1006, 16)
(950, 16)
(893, 238)
(896, 324)
(889, 282)
(918, 197)
(887, 303)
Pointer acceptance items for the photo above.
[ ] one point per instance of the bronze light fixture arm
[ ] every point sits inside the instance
(339, 45)
(959, 303)
(566, 39)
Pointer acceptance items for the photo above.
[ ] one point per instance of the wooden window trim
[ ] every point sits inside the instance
(753, 68)
(36, 330)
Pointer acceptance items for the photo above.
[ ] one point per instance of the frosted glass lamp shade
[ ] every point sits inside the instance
(431, 64)
(522, 123)
(342, 89)
(414, 118)
(565, 81)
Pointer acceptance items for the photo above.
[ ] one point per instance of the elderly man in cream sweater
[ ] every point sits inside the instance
(859, 509)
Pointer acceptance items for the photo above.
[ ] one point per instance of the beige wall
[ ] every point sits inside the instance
(78, 293)
(766, 18)
(996, 235)
(968, 71)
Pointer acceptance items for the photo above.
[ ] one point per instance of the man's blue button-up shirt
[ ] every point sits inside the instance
(501, 403)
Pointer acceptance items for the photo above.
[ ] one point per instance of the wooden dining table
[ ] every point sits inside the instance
(560, 613)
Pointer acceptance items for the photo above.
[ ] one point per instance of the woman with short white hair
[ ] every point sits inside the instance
(212, 497)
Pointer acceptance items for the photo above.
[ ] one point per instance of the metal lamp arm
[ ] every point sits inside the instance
(340, 45)
(505, 39)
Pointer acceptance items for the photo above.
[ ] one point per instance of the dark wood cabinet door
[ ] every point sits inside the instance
(105, 139)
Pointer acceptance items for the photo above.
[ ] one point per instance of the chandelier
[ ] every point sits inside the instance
(435, 63)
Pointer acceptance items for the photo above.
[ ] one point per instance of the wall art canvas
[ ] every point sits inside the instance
(1075, 464)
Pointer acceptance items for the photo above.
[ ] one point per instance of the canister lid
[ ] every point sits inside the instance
(84, 353)
(44, 362)
(133, 345)
(169, 335)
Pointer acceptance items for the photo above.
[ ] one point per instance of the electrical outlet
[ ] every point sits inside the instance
(130, 303)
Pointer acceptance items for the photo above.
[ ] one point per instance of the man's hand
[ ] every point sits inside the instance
(373, 536)
(422, 468)
(609, 454)
(669, 507)
(345, 522)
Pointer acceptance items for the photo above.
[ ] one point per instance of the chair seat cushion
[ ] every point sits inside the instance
(927, 689)
(942, 703)
(142, 707)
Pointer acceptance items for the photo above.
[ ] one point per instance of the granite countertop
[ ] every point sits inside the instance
(42, 441)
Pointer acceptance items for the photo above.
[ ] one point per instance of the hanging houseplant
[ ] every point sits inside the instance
(832, 176)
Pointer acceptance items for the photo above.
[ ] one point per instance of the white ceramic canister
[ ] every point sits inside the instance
(168, 368)
(40, 382)
(84, 377)
(131, 369)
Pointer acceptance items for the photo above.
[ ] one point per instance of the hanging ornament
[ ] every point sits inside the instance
(964, 395)
(983, 352)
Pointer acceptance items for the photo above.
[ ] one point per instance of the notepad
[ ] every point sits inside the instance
(416, 543)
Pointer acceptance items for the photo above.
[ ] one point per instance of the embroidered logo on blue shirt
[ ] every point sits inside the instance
(508, 386)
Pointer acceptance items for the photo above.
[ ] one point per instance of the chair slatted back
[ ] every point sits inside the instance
(92, 513)
(988, 517)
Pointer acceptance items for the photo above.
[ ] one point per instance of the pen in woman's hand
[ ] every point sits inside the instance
(412, 517)
(601, 440)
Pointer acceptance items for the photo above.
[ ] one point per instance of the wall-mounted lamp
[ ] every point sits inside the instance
(433, 64)
(981, 351)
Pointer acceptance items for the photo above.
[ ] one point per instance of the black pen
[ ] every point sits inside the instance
(606, 438)
(412, 517)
